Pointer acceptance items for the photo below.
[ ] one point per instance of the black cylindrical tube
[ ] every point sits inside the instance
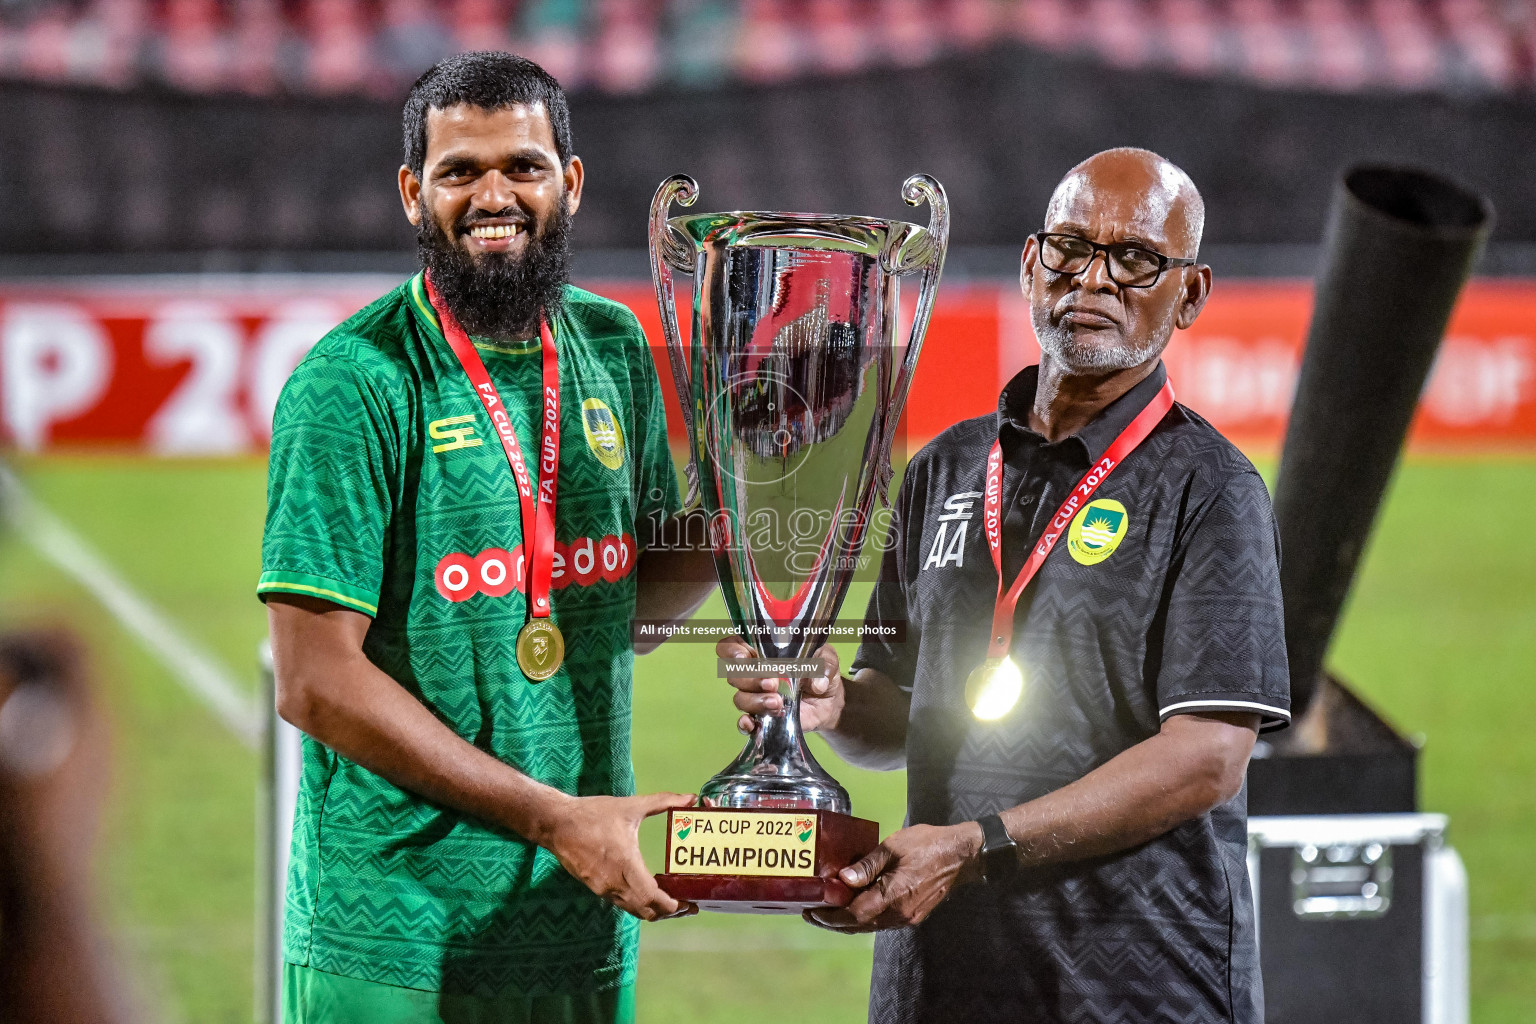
(1399, 245)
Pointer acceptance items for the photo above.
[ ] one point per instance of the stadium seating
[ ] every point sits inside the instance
(376, 47)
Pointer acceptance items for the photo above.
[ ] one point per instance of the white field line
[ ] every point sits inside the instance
(198, 672)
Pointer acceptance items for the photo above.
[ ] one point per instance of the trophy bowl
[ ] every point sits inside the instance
(791, 392)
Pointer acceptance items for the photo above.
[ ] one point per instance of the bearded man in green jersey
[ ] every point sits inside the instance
(465, 839)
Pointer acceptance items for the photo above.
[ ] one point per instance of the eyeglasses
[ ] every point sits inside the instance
(1130, 265)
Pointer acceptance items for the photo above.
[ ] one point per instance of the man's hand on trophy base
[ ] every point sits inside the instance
(596, 839)
(821, 697)
(904, 878)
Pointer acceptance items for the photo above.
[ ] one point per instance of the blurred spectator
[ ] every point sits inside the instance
(337, 60)
(258, 58)
(1338, 49)
(1190, 36)
(700, 38)
(1121, 34)
(479, 25)
(195, 51)
(54, 968)
(552, 30)
(838, 41)
(626, 56)
(411, 39)
(769, 47)
(1047, 23)
(1266, 47)
(910, 29)
(45, 44)
(971, 24)
(1412, 51)
(108, 42)
(1483, 41)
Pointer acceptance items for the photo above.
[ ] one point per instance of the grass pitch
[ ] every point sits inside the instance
(1440, 636)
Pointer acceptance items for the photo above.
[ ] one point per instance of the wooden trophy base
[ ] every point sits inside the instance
(762, 860)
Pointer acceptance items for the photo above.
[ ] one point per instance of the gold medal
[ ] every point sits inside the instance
(993, 688)
(540, 649)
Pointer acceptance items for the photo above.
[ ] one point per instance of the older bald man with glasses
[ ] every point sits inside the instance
(1089, 581)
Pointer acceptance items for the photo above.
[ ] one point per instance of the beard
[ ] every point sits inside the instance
(499, 296)
(1066, 346)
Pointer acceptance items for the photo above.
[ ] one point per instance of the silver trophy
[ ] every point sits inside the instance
(791, 396)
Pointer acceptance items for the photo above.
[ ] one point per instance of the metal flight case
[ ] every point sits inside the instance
(1361, 918)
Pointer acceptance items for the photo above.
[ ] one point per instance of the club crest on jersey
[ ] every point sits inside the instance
(604, 435)
(1097, 531)
(948, 547)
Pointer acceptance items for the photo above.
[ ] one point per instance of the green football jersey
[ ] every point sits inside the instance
(389, 493)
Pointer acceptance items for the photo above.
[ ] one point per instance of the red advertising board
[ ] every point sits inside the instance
(193, 366)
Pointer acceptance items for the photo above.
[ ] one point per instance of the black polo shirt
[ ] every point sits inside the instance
(1163, 598)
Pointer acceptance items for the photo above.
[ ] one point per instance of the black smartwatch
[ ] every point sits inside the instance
(999, 853)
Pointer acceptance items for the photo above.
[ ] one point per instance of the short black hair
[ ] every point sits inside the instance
(488, 79)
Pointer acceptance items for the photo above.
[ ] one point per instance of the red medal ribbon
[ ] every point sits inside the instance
(992, 518)
(538, 520)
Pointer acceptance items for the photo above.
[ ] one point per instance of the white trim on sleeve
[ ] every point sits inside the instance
(1244, 705)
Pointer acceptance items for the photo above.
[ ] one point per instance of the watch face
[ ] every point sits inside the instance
(998, 862)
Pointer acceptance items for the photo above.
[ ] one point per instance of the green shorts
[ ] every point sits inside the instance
(315, 997)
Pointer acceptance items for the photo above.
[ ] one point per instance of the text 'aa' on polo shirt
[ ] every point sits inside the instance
(1162, 598)
(389, 492)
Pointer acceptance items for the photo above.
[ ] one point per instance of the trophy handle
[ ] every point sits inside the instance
(925, 254)
(669, 252)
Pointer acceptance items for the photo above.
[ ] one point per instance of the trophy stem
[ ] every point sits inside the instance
(776, 768)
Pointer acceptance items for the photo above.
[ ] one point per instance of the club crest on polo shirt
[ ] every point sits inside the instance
(1097, 531)
(604, 435)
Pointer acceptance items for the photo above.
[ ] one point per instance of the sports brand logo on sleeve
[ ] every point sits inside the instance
(1097, 531)
(948, 547)
(604, 435)
(457, 431)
